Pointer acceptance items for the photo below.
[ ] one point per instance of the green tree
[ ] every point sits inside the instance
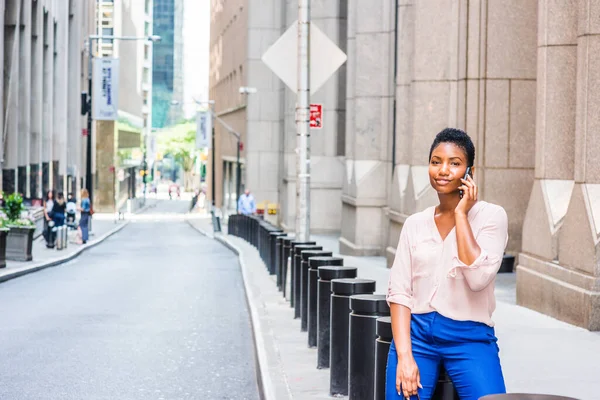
(179, 142)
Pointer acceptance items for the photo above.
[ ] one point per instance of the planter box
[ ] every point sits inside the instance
(3, 236)
(19, 243)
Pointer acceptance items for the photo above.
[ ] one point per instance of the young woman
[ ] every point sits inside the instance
(84, 222)
(48, 206)
(58, 210)
(441, 289)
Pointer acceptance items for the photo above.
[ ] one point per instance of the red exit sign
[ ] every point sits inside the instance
(316, 116)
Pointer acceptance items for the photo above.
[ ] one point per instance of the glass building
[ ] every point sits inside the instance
(167, 72)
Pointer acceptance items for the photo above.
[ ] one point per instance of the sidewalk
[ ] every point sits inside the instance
(539, 354)
(44, 257)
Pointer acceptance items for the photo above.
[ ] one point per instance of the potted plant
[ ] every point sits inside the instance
(20, 235)
(3, 234)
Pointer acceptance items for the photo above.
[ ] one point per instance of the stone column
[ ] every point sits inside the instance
(404, 38)
(433, 90)
(327, 144)
(368, 141)
(263, 109)
(74, 123)
(61, 82)
(559, 271)
(106, 148)
(48, 99)
(24, 98)
(11, 93)
(37, 101)
(506, 94)
(327, 169)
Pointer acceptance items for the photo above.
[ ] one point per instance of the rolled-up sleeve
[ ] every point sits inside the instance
(492, 240)
(400, 284)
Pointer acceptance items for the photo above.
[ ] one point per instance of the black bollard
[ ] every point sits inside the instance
(297, 275)
(326, 275)
(292, 256)
(312, 295)
(444, 389)
(230, 223)
(272, 250)
(382, 348)
(304, 282)
(341, 290)
(245, 221)
(278, 257)
(287, 245)
(252, 230)
(366, 308)
(259, 238)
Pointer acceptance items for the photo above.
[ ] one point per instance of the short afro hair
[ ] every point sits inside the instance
(459, 138)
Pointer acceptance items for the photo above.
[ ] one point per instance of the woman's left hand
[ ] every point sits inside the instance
(469, 198)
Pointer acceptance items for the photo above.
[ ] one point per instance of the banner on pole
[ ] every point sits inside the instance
(203, 130)
(105, 104)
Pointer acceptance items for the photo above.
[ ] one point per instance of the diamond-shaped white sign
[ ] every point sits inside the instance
(325, 58)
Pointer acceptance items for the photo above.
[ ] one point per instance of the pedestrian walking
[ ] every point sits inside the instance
(48, 206)
(441, 288)
(84, 221)
(246, 204)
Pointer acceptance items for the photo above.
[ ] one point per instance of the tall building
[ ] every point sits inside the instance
(518, 76)
(120, 144)
(42, 44)
(168, 63)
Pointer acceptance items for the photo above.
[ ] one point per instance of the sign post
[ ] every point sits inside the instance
(304, 58)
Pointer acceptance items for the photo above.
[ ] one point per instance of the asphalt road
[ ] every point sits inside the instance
(155, 312)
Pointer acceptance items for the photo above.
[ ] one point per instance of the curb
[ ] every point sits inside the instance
(265, 386)
(62, 260)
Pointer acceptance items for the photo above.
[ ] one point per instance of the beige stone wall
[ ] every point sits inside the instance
(559, 267)
(370, 93)
(473, 67)
(327, 144)
(519, 76)
(228, 71)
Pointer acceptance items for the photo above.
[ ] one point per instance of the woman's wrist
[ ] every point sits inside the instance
(460, 213)
(404, 353)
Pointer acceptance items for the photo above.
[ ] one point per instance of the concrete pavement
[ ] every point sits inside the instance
(103, 226)
(44, 257)
(539, 354)
(155, 312)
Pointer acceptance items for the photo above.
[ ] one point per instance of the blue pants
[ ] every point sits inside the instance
(468, 351)
(59, 219)
(84, 224)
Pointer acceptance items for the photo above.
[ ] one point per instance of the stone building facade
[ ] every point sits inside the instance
(119, 145)
(43, 47)
(518, 75)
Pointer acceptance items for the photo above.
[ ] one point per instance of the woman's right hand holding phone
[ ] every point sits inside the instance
(408, 379)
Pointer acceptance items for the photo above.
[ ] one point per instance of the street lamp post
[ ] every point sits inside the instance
(91, 38)
(238, 136)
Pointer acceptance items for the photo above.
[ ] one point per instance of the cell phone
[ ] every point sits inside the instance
(467, 173)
